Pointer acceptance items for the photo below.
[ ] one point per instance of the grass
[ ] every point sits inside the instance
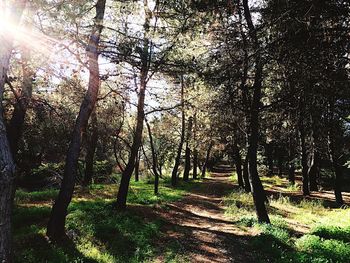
(143, 193)
(303, 231)
(96, 232)
(35, 196)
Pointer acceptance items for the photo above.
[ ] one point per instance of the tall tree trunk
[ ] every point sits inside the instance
(195, 163)
(304, 164)
(145, 60)
(188, 150)
(247, 187)
(314, 169)
(269, 157)
(127, 173)
(207, 156)
(182, 137)
(195, 152)
(280, 161)
(238, 164)
(258, 192)
(137, 167)
(56, 225)
(154, 159)
(291, 156)
(245, 98)
(338, 183)
(334, 144)
(313, 172)
(291, 173)
(187, 163)
(91, 149)
(7, 166)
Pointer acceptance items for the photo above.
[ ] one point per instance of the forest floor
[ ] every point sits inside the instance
(199, 225)
(209, 220)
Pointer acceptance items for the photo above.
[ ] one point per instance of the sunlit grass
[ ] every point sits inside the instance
(97, 233)
(301, 231)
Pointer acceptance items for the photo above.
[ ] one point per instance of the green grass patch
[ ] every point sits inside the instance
(35, 196)
(97, 233)
(324, 235)
(317, 249)
(332, 232)
(143, 193)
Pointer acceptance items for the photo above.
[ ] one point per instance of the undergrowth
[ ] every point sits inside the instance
(304, 231)
(95, 231)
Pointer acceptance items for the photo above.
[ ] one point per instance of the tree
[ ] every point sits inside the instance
(92, 140)
(145, 56)
(154, 159)
(174, 174)
(7, 166)
(188, 150)
(256, 185)
(15, 126)
(56, 225)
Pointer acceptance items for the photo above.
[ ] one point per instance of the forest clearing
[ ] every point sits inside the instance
(174, 131)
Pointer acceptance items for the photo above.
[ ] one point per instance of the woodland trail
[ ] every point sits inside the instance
(199, 226)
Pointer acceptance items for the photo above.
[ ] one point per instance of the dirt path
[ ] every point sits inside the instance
(199, 226)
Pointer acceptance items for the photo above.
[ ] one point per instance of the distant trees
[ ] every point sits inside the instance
(308, 48)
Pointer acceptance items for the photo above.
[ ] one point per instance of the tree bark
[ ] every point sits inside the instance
(304, 164)
(247, 187)
(137, 167)
(338, 183)
(154, 159)
(280, 161)
(56, 225)
(314, 169)
(188, 151)
(238, 164)
(291, 173)
(256, 185)
(291, 157)
(207, 156)
(145, 60)
(15, 127)
(182, 137)
(7, 165)
(269, 157)
(195, 164)
(334, 144)
(91, 149)
(313, 172)
(187, 163)
(195, 152)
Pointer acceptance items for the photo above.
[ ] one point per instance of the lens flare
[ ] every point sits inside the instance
(23, 34)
